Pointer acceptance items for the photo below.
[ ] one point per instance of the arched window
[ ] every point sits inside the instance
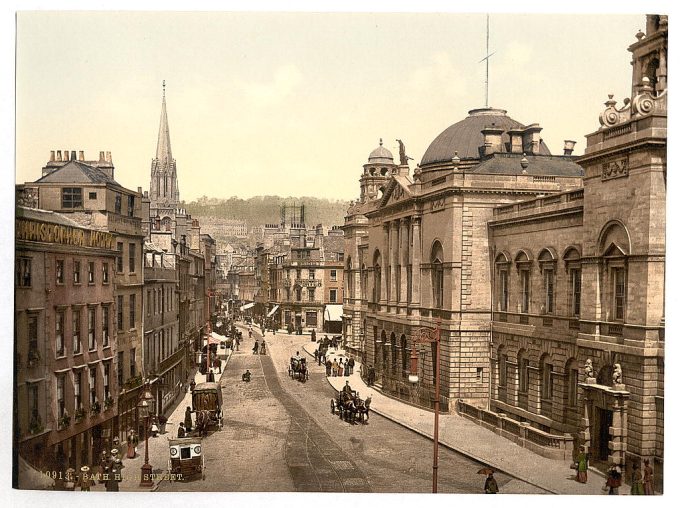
(572, 262)
(502, 292)
(523, 262)
(349, 276)
(377, 278)
(547, 260)
(615, 248)
(437, 260)
(404, 354)
(363, 278)
(502, 367)
(393, 344)
(385, 349)
(571, 369)
(523, 371)
(546, 377)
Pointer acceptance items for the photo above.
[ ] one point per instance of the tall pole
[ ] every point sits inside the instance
(435, 455)
(486, 100)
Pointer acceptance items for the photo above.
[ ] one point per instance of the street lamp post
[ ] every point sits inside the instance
(145, 401)
(428, 336)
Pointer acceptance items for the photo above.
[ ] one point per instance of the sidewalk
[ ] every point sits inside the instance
(158, 446)
(476, 442)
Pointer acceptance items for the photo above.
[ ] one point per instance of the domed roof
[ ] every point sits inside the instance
(381, 155)
(466, 138)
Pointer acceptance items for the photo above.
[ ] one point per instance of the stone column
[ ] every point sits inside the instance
(394, 260)
(618, 432)
(385, 261)
(415, 255)
(403, 258)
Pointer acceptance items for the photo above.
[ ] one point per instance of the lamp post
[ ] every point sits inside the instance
(145, 400)
(428, 336)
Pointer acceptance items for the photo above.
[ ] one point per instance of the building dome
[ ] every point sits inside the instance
(381, 155)
(466, 138)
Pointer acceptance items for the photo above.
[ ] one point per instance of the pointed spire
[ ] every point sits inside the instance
(163, 150)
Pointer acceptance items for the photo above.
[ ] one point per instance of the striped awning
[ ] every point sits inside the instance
(271, 312)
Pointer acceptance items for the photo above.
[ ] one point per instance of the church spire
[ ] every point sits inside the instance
(163, 150)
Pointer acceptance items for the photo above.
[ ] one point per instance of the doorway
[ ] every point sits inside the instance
(605, 419)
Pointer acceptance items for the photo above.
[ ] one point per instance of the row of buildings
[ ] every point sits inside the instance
(533, 266)
(112, 297)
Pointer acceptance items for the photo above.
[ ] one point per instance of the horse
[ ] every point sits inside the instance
(363, 408)
(202, 422)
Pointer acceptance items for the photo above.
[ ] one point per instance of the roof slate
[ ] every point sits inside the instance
(77, 172)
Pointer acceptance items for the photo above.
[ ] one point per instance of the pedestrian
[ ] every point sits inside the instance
(636, 487)
(582, 465)
(649, 479)
(371, 375)
(329, 366)
(613, 480)
(351, 365)
(181, 431)
(313, 335)
(192, 385)
(316, 354)
(187, 419)
(341, 368)
(319, 357)
(131, 444)
(84, 482)
(335, 367)
(490, 485)
(114, 478)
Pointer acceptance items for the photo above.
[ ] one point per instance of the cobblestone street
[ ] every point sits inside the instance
(279, 435)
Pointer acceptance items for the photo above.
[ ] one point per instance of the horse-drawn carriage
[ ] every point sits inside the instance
(186, 458)
(351, 407)
(297, 369)
(207, 403)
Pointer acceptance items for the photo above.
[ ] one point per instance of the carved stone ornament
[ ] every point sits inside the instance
(617, 376)
(615, 169)
(589, 372)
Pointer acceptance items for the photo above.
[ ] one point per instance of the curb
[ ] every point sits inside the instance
(457, 450)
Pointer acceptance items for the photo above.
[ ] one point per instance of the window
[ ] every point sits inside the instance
(105, 325)
(131, 206)
(286, 317)
(60, 271)
(548, 286)
(119, 257)
(121, 368)
(59, 334)
(155, 302)
(118, 203)
(404, 354)
(524, 285)
(71, 197)
(90, 272)
(480, 373)
(93, 385)
(91, 319)
(311, 292)
(132, 254)
(619, 290)
(523, 366)
(334, 275)
(572, 388)
(546, 380)
(133, 316)
(409, 283)
(398, 283)
(107, 377)
(76, 272)
(76, 331)
(333, 295)
(23, 269)
(148, 302)
(378, 283)
(310, 318)
(298, 273)
(503, 290)
(298, 294)
(33, 352)
(133, 362)
(288, 294)
(575, 291)
(34, 412)
(77, 393)
(502, 369)
(105, 273)
(311, 274)
(92, 195)
(437, 259)
(119, 309)
(61, 401)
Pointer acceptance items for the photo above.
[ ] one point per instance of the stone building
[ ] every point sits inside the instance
(579, 281)
(87, 192)
(65, 340)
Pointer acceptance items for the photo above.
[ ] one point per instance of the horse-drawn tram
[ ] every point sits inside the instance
(207, 403)
(351, 407)
(186, 458)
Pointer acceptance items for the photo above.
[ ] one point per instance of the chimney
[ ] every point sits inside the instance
(532, 138)
(81, 155)
(492, 139)
(101, 157)
(515, 140)
(65, 155)
(108, 156)
(139, 190)
(51, 155)
(58, 155)
(568, 146)
(73, 155)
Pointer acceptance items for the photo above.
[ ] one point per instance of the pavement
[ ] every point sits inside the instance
(158, 446)
(478, 443)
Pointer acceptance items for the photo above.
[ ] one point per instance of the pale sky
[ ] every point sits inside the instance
(292, 104)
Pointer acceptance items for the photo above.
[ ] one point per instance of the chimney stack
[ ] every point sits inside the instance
(66, 156)
(492, 139)
(108, 156)
(58, 155)
(81, 155)
(101, 157)
(532, 138)
(73, 155)
(515, 140)
(51, 155)
(568, 146)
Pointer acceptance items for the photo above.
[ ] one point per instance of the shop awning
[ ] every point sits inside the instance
(271, 312)
(333, 313)
(247, 306)
(216, 338)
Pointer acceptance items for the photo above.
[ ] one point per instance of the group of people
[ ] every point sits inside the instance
(260, 348)
(642, 481)
(339, 368)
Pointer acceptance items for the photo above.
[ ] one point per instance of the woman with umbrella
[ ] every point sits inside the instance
(490, 485)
